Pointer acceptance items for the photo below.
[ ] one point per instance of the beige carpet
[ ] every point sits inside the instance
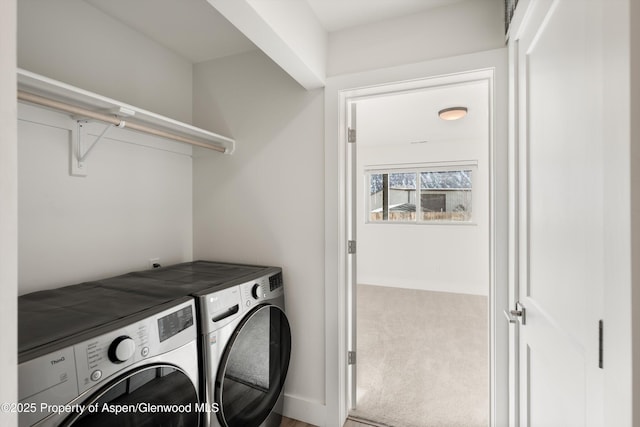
(422, 358)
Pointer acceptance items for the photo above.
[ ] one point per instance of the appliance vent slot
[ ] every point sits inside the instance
(275, 281)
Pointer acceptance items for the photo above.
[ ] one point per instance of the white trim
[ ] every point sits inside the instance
(423, 166)
(8, 213)
(301, 409)
(514, 212)
(408, 77)
(464, 289)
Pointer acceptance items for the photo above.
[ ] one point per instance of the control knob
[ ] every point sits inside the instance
(256, 291)
(121, 349)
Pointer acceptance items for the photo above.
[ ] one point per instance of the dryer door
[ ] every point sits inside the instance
(153, 395)
(253, 368)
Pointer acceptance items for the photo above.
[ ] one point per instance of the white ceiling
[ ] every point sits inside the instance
(196, 31)
(191, 28)
(340, 14)
(418, 121)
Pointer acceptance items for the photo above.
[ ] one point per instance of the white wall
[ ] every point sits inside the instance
(464, 27)
(133, 205)
(264, 204)
(634, 93)
(74, 42)
(435, 257)
(8, 211)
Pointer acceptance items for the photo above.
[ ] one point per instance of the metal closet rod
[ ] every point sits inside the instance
(82, 112)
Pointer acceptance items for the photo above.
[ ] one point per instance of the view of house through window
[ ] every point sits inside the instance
(445, 196)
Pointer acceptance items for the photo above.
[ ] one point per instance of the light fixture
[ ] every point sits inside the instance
(453, 113)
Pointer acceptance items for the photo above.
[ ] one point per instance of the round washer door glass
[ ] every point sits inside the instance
(155, 395)
(253, 368)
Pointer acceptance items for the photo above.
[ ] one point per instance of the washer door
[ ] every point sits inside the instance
(253, 368)
(136, 394)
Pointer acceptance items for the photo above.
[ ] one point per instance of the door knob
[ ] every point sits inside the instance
(519, 313)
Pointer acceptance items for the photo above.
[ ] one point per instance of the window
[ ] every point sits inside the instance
(394, 198)
(445, 195)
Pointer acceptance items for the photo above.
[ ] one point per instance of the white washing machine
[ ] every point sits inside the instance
(92, 365)
(246, 348)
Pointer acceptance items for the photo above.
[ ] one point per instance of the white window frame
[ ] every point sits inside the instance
(418, 168)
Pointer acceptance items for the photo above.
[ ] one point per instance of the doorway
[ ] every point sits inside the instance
(409, 255)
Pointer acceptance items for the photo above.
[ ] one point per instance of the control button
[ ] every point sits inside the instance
(144, 352)
(96, 375)
(121, 349)
(256, 291)
(248, 303)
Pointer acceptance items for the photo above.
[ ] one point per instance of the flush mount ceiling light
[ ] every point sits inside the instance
(453, 113)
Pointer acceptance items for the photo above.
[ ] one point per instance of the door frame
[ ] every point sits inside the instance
(9, 210)
(339, 93)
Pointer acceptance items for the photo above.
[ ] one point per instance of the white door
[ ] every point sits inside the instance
(560, 212)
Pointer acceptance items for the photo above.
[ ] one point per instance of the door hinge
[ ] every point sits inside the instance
(351, 135)
(351, 247)
(351, 358)
(601, 344)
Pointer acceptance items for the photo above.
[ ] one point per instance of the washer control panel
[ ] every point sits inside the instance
(106, 355)
(263, 288)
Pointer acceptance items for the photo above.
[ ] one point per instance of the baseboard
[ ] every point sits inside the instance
(466, 289)
(367, 422)
(301, 409)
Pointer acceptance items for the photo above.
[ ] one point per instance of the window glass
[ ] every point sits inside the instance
(445, 196)
(377, 183)
(393, 197)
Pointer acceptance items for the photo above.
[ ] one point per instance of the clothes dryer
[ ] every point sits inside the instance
(88, 363)
(246, 348)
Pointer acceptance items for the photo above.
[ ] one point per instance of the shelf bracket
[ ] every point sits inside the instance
(80, 138)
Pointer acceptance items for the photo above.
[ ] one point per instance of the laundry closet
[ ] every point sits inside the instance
(146, 200)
